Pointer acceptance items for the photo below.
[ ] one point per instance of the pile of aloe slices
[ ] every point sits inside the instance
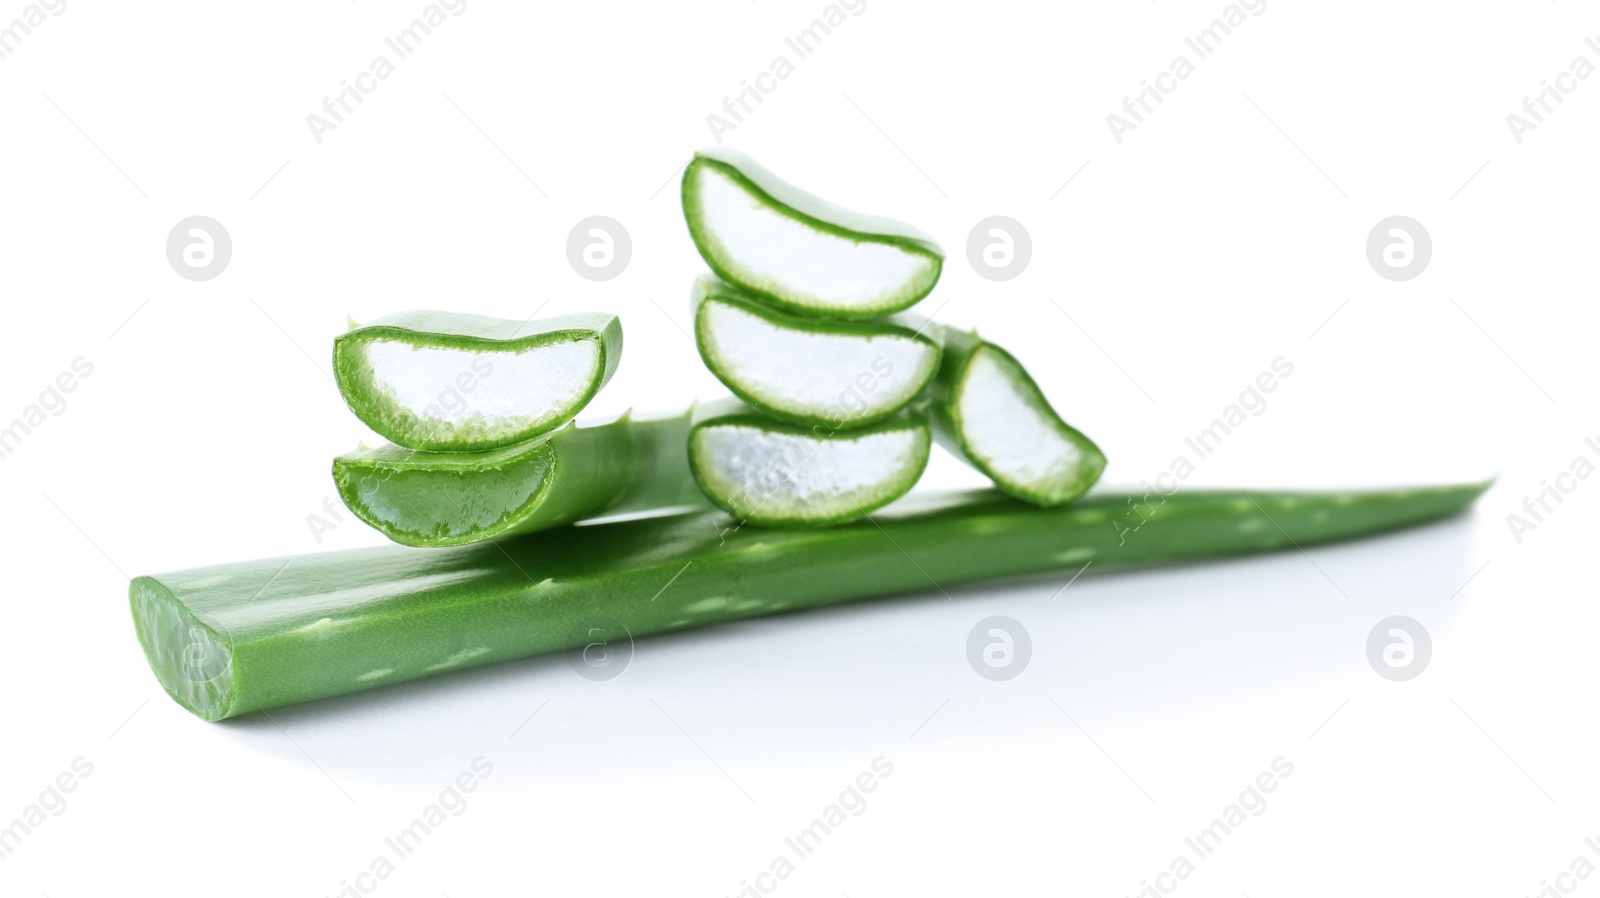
(842, 390)
(839, 392)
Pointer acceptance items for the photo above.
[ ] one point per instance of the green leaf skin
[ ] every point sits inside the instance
(761, 378)
(432, 499)
(763, 492)
(236, 638)
(952, 415)
(822, 230)
(489, 339)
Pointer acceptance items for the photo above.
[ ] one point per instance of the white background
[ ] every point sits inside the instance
(1226, 231)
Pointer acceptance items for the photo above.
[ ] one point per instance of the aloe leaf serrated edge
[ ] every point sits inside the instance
(236, 638)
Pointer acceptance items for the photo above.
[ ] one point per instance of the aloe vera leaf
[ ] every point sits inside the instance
(432, 499)
(987, 411)
(234, 638)
(772, 473)
(798, 251)
(810, 371)
(453, 382)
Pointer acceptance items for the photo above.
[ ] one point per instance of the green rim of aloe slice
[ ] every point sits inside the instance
(798, 251)
(443, 381)
(810, 371)
(989, 412)
(772, 473)
(432, 499)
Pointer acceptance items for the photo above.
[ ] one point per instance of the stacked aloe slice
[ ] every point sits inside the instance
(479, 413)
(840, 391)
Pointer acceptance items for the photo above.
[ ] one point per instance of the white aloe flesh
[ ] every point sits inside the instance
(799, 251)
(995, 417)
(807, 371)
(438, 381)
(765, 472)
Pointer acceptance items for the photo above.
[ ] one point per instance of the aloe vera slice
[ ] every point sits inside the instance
(448, 381)
(991, 414)
(455, 498)
(235, 638)
(772, 473)
(800, 252)
(810, 371)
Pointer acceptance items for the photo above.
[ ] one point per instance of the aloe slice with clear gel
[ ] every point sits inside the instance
(444, 381)
(428, 499)
(773, 473)
(987, 411)
(810, 371)
(798, 251)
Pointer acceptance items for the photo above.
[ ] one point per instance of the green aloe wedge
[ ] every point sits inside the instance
(772, 473)
(800, 252)
(454, 498)
(987, 411)
(810, 371)
(236, 638)
(444, 381)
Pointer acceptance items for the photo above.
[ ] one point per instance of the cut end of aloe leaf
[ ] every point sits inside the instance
(838, 374)
(798, 251)
(443, 499)
(770, 473)
(191, 660)
(1009, 431)
(633, 463)
(439, 381)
